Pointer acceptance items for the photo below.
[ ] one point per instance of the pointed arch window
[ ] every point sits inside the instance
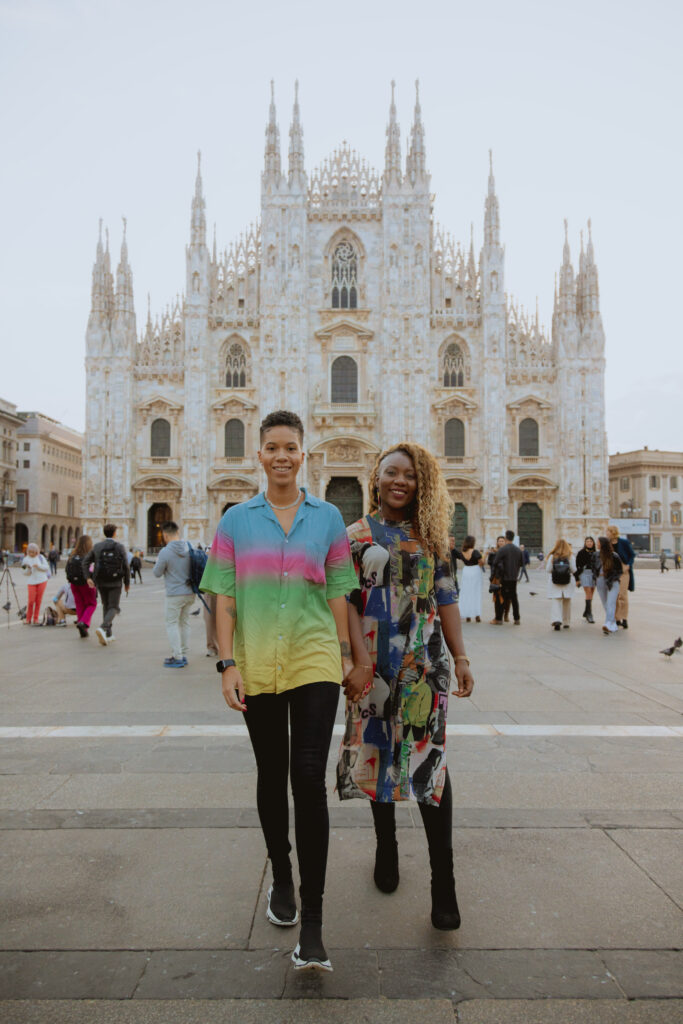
(234, 439)
(161, 439)
(344, 277)
(453, 367)
(454, 440)
(236, 367)
(344, 380)
(528, 438)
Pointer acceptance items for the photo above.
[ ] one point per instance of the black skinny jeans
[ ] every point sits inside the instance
(291, 733)
(436, 818)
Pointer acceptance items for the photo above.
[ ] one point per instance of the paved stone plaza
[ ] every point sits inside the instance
(134, 872)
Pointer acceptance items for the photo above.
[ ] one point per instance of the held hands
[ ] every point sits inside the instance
(356, 678)
(465, 680)
(233, 689)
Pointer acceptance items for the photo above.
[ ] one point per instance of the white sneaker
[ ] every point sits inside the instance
(101, 636)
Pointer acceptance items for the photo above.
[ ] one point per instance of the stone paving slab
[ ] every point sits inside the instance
(79, 974)
(517, 889)
(660, 854)
(358, 973)
(570, 1011)
(646, 974)
(503, 974)
(347, 816)
(117, 889)
(234, 1011)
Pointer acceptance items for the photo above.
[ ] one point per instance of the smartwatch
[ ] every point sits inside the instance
(225, 663)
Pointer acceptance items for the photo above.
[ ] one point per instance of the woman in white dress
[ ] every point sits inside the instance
(471, 581)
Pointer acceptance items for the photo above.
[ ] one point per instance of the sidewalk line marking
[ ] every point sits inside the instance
(482, 729)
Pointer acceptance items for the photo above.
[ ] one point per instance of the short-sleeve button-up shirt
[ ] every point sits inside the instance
(285, 633)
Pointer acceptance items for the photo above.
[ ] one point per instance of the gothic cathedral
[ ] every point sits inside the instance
(349, 305)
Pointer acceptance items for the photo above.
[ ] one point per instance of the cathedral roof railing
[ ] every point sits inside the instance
(345, 184)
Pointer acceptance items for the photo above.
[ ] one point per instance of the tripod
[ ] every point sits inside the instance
(6, 578)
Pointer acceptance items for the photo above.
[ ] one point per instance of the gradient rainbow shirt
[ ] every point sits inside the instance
(285, 634)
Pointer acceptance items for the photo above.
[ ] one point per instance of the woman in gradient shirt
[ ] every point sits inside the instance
(280, 567)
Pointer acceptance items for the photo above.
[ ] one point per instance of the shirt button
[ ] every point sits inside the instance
(280, 636)
(285, 574)
(282, 606)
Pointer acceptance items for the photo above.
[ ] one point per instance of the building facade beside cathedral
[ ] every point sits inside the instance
(349, 305)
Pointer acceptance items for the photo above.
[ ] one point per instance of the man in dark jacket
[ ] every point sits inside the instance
(507, 562)
(111, 572)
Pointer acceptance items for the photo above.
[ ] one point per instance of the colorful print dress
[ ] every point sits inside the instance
(394, 745)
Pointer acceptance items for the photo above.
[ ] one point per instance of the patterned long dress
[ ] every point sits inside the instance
(394, 745)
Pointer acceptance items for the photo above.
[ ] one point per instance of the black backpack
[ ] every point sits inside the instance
(109, 563)
(198, 561)
(561, 571)
(74, 571)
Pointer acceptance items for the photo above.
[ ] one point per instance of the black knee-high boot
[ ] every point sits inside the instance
(438, 823)
(589, 611)
(386, 856)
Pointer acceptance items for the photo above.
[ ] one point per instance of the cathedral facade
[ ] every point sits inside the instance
(349, 305)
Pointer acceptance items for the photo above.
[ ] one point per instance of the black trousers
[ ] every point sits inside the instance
(291, 734)
(508, 591)
(110, 596)
(437, 820)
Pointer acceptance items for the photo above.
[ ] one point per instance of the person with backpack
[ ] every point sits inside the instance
(136, 566)
(175, 565)
(560, 566)
(85, 597)
(110, 574)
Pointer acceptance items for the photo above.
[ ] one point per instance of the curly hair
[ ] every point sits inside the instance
(432, 509)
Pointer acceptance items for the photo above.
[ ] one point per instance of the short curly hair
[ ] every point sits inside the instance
(282, 418)
(433, 506)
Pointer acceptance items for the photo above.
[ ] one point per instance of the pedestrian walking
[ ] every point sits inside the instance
(404, 619)
(110, 574)
(53, 559)
(136, 566)
(560, 566)
(471, 583)
(587, 572)
(526, 560)
(677, 560)
(35, 567)
(78, 574)
(662, 562)
(506, 565)
(624, 548)
(280, 567)
(608, 583)
(173, 563)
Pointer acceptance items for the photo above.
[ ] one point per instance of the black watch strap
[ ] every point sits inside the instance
(225, 663)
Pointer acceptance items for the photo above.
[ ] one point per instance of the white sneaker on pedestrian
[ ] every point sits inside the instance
(101, 636)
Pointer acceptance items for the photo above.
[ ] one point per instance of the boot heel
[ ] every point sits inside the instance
(445, 910)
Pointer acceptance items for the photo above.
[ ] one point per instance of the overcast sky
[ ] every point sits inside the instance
(105, 105)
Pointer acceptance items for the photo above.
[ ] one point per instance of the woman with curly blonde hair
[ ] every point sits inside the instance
(403, 620)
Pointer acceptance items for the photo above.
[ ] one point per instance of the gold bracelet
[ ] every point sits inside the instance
(461, 657)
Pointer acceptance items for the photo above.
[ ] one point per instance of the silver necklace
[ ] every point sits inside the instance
(283, 508)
